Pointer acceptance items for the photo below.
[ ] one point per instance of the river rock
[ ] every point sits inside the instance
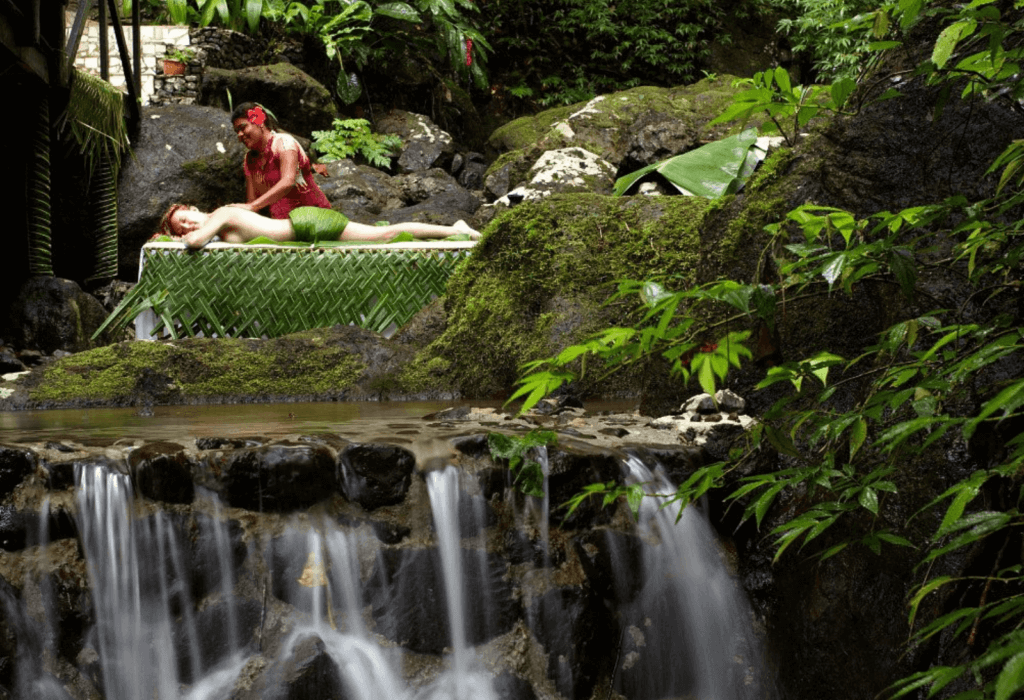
(163, 472)
(375, 475)
(276, 477)
(52, 314)
(424, 144)
(299, 103)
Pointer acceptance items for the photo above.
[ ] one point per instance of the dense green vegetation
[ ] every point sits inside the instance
(851, 431)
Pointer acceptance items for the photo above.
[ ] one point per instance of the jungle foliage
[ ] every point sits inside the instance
(937, 379)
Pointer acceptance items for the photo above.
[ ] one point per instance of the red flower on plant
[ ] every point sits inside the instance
(709, 347)
(257, 116)
(469, 52)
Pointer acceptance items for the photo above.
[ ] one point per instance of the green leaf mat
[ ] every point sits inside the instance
(269, 291)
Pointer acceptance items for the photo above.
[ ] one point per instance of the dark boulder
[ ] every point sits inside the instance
(407, 595)
(51, 314)
(300, 104)
(276, 477)
(375, 475)
(569, 625)
(162, 471)
(15, 464)
(184, 153)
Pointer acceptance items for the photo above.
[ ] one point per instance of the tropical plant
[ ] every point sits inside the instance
(527, 473)
(827, 32)
(712, 170)
(360, 34)
(931, 380)
(614, 45)
(353, 137)
(40, 260)
(94, 124)
(789, 107)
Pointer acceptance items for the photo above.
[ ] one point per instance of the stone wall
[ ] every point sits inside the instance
(218, 48)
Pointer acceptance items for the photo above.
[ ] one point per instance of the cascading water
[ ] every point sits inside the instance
(688, 629)
(454, 593)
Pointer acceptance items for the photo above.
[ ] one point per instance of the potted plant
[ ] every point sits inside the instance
(175, 60)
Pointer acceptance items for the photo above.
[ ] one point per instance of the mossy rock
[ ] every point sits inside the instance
(542, 275)
(325, 364)
(605, 124)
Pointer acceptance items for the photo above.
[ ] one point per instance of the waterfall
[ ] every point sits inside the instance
(463, 591)
(689, 628)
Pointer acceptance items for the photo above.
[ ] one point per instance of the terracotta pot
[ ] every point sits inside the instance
(172, 67)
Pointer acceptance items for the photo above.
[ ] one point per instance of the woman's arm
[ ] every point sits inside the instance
(289, 166)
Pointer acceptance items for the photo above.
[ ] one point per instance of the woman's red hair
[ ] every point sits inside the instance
(165, 228)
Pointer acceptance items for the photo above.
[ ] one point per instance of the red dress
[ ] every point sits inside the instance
(265, 171)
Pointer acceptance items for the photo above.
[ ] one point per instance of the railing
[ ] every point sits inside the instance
(132, 67)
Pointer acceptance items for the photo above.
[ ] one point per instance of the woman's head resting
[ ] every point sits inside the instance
(180, 219)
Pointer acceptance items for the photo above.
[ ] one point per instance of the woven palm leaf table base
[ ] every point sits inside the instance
(227, 290)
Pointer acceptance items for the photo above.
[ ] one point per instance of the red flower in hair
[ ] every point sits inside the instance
(257, 116)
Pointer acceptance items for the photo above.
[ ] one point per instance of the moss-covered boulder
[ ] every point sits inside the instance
(641, 125)
(300, 103)
(541, 277)
(340, 363)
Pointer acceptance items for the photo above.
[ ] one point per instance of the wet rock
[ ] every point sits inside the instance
(217, 641)
(388, 532)
(276, 478)
(424, 144)
(14, 526)
(61, 475)
(216, 549)
(375, 475)
(612, 562)
(406, 593)
(307, 673)
(9, 362)
(162, 471)
(508, 686)
(569, 625)
(219, 443)
(15, 464)
(569, 472)
(52, 314)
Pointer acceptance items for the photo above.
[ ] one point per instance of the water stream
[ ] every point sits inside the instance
(328, 587)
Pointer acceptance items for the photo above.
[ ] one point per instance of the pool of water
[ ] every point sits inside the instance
(234, 420)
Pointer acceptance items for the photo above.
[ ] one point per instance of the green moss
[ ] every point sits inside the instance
(305, 364)
(102, 374)
(540, 278)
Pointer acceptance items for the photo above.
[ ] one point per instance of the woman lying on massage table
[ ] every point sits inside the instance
(307, 224)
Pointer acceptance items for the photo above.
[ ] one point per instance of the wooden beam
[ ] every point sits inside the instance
(77, 29)
(126, 64)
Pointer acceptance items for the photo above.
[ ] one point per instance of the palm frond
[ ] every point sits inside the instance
(40, 259)
(95, 121)
(104, 207)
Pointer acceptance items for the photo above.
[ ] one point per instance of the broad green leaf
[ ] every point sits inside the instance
(398, 10)
(948, 39)
(710, 171)
(869, 499)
